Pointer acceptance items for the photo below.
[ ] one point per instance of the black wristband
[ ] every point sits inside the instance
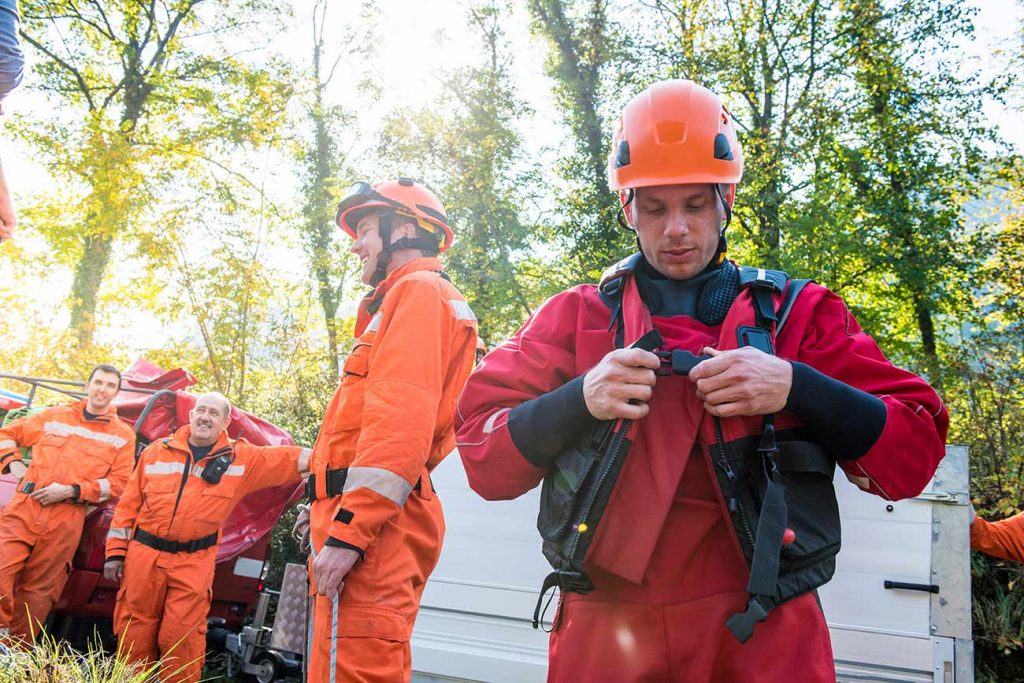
(844, 419)
(543, 427)
(78, 492)
(335, 543)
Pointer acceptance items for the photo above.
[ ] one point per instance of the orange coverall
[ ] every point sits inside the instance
(37, 542)
(1004, 539)
(389, 424)
(165, 596)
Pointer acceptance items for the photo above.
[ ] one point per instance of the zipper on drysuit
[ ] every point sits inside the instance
(613, 456)
(723, 462)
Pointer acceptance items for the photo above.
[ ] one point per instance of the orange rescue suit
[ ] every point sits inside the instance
(165, 596)
(389, 424)
(37, 542)
(1003, 539)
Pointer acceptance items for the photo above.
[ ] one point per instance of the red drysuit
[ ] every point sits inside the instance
(665, 561)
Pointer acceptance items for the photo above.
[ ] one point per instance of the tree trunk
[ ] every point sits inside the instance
(86, 286)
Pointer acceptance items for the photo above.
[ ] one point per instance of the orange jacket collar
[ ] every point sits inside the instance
(421, 263)
(371, 302)
(81, 404)
(179, 440)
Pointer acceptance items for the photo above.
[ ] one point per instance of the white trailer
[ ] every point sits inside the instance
(899, 607)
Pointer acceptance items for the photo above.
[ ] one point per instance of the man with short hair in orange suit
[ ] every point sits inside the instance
(81, 454)
(162, 544)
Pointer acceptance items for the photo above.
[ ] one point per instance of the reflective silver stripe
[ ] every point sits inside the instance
(165, 468)
(374, 323)
(104, 489)
(462, 309)
(379, 480)
(232, 471)
(761, 275)
(490, 423)
(61, 428)
(7, 443)
(304, 460)
(119, 534)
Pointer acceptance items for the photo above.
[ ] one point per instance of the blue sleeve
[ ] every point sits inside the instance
(12, 61)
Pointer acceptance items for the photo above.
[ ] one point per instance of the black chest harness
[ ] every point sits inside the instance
(772, 484)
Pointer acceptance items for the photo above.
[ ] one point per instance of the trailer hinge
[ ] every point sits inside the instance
(946, 497)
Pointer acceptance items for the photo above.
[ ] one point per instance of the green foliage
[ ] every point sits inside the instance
(51, 661)
(469, 148)
(144, 106)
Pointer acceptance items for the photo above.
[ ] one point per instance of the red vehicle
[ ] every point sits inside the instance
(155, 402)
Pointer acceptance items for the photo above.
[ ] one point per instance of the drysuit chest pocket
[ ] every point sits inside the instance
(349, 410)
(216, 501)
(97, 456)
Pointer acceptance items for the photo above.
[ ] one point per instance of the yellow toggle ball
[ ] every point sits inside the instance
(582, 528)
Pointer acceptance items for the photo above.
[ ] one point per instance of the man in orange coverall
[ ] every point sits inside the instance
(82, 453)
(376, 522)
(162, 543)
(1003, 539)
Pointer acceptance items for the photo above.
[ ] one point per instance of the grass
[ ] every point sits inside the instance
(51, 661)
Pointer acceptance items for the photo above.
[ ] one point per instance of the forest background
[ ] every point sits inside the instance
(176, 164)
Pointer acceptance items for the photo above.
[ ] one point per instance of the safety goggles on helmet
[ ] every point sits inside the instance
(405, 197)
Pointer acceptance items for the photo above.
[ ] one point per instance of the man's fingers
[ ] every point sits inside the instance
(638, 358)
(632, 411)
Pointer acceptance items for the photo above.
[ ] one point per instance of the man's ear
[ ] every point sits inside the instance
(406, 229)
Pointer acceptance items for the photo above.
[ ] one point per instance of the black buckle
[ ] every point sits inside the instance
(678, 361)
(567, 582)
(742, 624)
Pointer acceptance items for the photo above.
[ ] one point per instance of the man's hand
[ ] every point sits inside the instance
(300, 530)
(622, 376)
(742, 382)
(113, 570)
(18, 469)
(330, 568)
(54, 493)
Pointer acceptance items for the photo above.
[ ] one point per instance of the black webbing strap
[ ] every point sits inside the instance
(335, 483)
(168, 546)
(772, 518)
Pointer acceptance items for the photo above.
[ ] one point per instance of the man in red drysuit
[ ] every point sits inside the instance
(668, 561)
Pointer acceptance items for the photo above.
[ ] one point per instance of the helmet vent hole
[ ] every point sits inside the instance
(622, 154)
(722, 149)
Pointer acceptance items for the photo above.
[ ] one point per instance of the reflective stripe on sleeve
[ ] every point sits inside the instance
(104, 489)
(7, 443)
(304, 460)
(374, 324)
(461, 309)
(380, 481)
(61, 428)
(119, 534)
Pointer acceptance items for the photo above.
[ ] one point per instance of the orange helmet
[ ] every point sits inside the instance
(403, 196)
(675, 132)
